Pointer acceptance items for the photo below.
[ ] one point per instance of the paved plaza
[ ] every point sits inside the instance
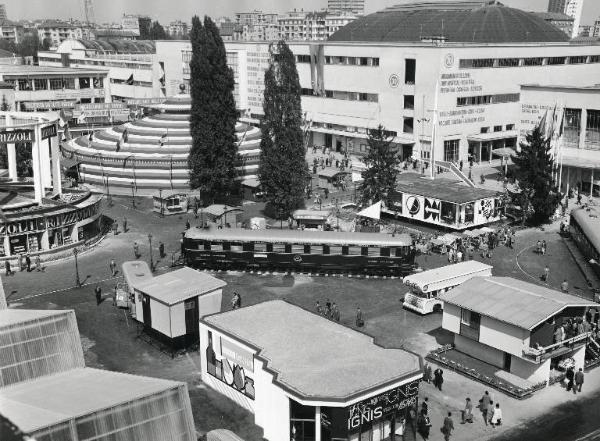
(110, 336)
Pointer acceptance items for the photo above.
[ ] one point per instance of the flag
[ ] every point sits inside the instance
(162, 140)
(62, 118)
(129, 81)
(373, 212)
(81, 118)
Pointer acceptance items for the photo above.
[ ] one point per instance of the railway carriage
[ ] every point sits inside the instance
(300, 251)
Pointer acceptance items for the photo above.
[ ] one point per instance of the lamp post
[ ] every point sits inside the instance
(133, 194)
(77, 280)
(162, 212)
(151, 257)
(281, 218)
(337, 215)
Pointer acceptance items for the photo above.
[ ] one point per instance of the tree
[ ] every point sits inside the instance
(157, 32)
(213, 155)
(382, 167)
(283, 171)
(537, 195)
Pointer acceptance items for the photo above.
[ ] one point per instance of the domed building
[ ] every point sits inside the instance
(151, 153)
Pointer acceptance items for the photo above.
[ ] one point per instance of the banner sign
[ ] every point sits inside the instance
(142, 101)
(49, 131)
(100, 106)
(237, 355)
(15, 136)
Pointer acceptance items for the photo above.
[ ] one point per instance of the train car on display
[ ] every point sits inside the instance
(584, 227)
(300, 251)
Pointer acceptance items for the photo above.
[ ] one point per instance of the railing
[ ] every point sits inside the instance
(540, 354)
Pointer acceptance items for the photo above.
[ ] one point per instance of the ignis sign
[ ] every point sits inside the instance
(16, 136)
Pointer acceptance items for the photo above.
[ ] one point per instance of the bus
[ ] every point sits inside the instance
(299, 251)
(425, 287)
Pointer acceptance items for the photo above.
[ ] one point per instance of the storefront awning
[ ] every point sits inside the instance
(493, 136)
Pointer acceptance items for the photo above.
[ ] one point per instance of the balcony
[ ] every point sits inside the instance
(542, 353)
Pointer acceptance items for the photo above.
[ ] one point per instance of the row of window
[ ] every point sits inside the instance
(497, 128)
(347, 61)
(343, 95)
(305, 249)
(487, 99)
(131, 83)
(482, 63)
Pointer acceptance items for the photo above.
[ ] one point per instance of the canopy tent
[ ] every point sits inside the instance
(504, 152)
(372, 212)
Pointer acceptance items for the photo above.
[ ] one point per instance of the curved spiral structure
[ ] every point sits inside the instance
(154, 153)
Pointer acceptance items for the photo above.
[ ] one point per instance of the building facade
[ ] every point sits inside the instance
(255, 18)
(557, 6)
(558, 19)
(574, 9)
(312, 25)
(352, 6)
(577, 150)
(11, 31)
(59, 31)
(178, 28)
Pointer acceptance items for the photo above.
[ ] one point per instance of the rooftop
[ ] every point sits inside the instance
(179, 285)
(556, 16)
(11, 317)
(446, 272)
(512, 301)
(482, 21)
(312, 356)
(443, 189)
(50, 400)
(120, 46)
(135, 272)
(26, 69)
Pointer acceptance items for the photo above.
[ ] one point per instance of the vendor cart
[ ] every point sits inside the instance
(121, 296)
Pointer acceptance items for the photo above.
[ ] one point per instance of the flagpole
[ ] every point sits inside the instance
(434, 131)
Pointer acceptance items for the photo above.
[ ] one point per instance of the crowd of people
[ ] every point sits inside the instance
(329, 310)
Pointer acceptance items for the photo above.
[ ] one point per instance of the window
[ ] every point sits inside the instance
(510, 127)
(485, 130)
(408, 125)
(40, 84)
(409, 101)
(497, 128)
(557, 60)
(410, 67)
(508, 62)
(69, 83)
(25, 84)
(487, 99)
(479, 63)
(84, 83)
(592, 135)
(335, 250)
(98, 83)
(451, 150)
(572, 127)
(470, 323)
(578, 60)
(595, 59)
(303, 58)
(536, 61)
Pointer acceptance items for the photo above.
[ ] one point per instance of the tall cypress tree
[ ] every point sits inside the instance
(213, 155)
(537, 196)
(283, 171)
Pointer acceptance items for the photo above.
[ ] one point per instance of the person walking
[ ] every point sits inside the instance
(564, 287)
(113, 267)
(423, 424)
(161, 249)
(136, 250)
(235, 300)
(425, 405)
(28, 262)
(115, 228)
(570, 375)
(467, 412)
(187, 224)
(484, 405)
(427, 373)
(335, 312)
(538, 247)
(544, 245)
(578, 380)
(438, 378)
(318, 308)
(98, 292)
(360, 322)
(124, 224)
(546, 273)
(38, 263)
(448, 427)
(7, 268)
(496, 418)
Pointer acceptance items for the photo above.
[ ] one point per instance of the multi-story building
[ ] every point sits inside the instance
(312, 25)
(366, 75)
(178, 28)
(53, 88)
(558, 19)
(255, 18)
(291, 25)
(585, 31)
(557, 6)
(3, 15)
(58, 31)
(352, 6)
(130, 66)
(261, 32)
(596, 32)
(11, 31)
(138, 24)
(231, 31)
(574, 8)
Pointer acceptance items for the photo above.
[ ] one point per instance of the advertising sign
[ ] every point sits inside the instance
(15, 136)
(237, 355)
(49, 131)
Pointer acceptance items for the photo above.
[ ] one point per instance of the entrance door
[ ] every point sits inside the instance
(507, 359)
(328, 140)
(192, 321)
(338, 145)
(146, 311)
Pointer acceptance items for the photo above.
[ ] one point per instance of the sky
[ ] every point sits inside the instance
(168, 10)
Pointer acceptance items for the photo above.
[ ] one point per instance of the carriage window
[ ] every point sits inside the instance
(316, 249)
(261, 247)
(400, 251)
(354, 251)
(278, 248)
(216, 246)
(345, 250)
(288, 248)
(306, 249)
(297, 249)
(385, 252)
(270, 247)
(236, 247)
(248, 246)
(335, 250)
(326, 249)
(204, 246)
(373, 251)
(364, 251)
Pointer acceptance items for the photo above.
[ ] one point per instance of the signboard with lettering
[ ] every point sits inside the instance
(237, 355)
(16, 136)
(49, 131)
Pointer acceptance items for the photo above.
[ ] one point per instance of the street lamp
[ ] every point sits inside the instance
(162, 210)
(151, 257)
(133, 194)
(77, 280)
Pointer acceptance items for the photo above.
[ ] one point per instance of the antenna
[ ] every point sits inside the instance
(88, 8)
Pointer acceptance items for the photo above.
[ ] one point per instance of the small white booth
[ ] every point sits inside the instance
(134, 272)
(170, 305)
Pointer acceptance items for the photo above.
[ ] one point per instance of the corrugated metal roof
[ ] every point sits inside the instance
(470, 22)
(512, 301)
(446, 272)
(177, 286)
